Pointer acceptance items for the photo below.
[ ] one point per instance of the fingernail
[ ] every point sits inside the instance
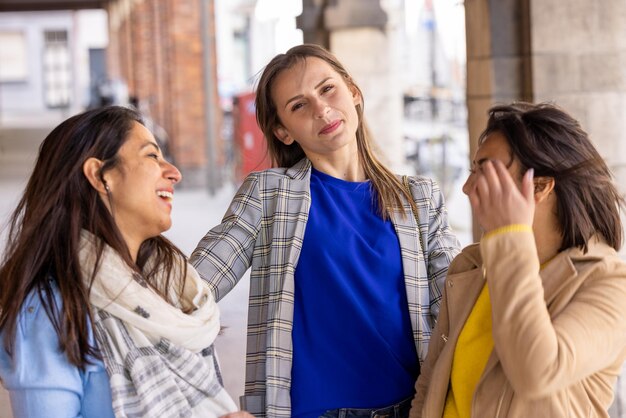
(530, 172)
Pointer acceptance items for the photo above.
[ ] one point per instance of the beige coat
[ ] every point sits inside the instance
(559, 336)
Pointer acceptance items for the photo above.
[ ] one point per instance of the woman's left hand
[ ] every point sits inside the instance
(496, 199)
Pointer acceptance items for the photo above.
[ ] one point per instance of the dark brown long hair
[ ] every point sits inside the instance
(550, 141)
(45, 228)
(388, 188)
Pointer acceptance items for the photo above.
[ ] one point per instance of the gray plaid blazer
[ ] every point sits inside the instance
(264, 228)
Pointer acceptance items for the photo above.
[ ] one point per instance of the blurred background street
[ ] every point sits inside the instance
(429, 70)
(194, 84)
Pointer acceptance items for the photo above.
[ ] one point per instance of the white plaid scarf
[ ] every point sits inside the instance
(160, 360)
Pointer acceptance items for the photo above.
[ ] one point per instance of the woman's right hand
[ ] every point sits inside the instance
(496, 199)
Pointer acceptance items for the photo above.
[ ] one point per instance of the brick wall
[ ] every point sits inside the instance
(157, 47)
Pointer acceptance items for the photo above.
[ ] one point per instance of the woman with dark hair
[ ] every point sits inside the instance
(532, 318)
(100, 314)
(345, 282)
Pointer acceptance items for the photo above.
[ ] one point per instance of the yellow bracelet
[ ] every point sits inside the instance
(509, 228)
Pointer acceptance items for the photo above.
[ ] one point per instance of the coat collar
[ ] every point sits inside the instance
(562, 269)
(561, 272)
(468, 259)
(300, 170)
(564, 264)
(466, 277)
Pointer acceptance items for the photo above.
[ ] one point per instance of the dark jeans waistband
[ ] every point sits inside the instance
(399, 410)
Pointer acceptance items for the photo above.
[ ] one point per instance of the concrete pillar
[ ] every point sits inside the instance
(498, 61)
(363, 34)
(311, 21)
(516, 51)
(584, 71)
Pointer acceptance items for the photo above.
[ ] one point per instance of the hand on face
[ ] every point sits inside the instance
(496, 199)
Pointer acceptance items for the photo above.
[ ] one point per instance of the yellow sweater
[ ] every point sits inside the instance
(471, 353)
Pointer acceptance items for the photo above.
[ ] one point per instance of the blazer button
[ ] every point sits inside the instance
(450, 283)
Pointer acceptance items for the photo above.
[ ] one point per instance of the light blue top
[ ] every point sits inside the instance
(353, 344)
(41, 381)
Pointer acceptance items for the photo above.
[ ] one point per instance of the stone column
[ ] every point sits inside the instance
(516, 51)
(498, 61)
(311, 21)
(584, 71)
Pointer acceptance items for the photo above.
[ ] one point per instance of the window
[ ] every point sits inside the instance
(12, 57)
(56, 69)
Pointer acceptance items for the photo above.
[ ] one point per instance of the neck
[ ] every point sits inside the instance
(548, 239)
(342, 165)
(547, 247)
(348, 173)
(133, 247)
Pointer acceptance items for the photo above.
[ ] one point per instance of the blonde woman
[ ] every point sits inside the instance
(345, 282)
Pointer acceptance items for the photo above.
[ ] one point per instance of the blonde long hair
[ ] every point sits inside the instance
(389, 189)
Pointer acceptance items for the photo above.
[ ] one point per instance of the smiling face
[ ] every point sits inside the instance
(141, 188)
(316, 109)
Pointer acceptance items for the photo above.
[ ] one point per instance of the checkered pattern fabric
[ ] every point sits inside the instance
(263, 229)
(160, 380)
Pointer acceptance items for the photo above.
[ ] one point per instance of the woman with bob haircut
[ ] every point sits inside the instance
(532, 318)
(345, 282)
(101, 315)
